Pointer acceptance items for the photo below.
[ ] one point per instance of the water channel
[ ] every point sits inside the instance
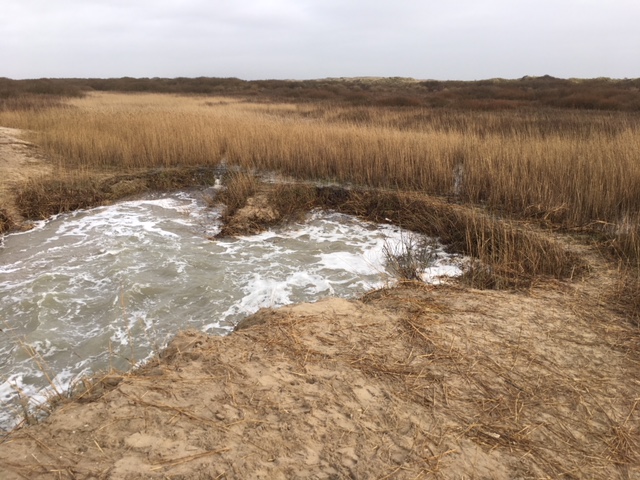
(107, 287)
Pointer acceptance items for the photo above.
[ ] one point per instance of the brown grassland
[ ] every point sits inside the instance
(538, 180)
(570, 169)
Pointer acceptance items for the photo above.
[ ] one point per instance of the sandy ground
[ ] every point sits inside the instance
(408, 382)
(19, 161)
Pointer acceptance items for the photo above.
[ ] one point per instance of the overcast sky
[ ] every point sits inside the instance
(302, 39)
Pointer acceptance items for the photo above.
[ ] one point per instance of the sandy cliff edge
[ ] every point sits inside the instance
(410, 382)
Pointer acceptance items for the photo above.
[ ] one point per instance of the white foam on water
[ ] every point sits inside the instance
(109, 286)
(438, 273)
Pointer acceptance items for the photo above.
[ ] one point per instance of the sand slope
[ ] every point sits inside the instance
(412, 382)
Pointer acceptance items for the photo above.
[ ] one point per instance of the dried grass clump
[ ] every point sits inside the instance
(39, 198)
(409, 259)
(42, 197)
(626, 296)
(168, 179)
(626, 239)
(240, 186)
(625, 244)
(89, 389)
(293, 200)
(6, 222)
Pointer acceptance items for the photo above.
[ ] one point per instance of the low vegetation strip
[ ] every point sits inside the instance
(509, 253)
(491, 94)
(42, 197)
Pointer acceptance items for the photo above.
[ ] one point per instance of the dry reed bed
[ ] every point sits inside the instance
(575, 170)
(572, 168)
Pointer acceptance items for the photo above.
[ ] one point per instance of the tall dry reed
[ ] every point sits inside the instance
(566, 168)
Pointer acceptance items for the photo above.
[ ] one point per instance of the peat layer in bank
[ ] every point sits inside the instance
(538, 380)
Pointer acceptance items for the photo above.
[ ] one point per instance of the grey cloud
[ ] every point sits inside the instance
(462, 39)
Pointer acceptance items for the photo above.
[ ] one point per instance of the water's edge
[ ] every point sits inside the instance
(108, 287)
